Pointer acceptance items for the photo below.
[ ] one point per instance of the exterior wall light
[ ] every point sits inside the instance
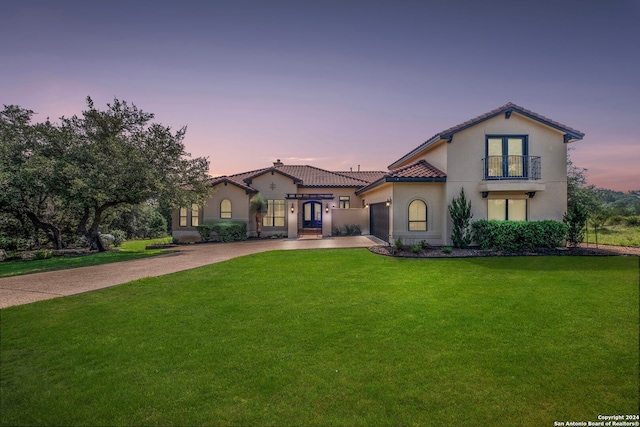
(326, 208)
(292, 208)
(389, 202)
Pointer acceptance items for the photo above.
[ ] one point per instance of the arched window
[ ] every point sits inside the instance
(225, 208)
(417, 216)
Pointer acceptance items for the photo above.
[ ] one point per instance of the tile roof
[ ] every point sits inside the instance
(447, 134)
(307, 177)
(420, 171)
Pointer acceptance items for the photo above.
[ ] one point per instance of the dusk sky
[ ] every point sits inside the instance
(335, 84)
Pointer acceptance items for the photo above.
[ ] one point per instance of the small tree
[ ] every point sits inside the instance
(597, 220)
(460, 212)
(258, 206)
(576, 219)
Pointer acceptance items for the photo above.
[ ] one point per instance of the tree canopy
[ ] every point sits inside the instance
(80, 168)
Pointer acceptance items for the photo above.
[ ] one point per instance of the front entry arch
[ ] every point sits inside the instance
(312, 215)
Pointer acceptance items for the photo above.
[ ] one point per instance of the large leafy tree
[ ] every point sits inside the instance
(29, 182)
(92, 163)
(118, 157)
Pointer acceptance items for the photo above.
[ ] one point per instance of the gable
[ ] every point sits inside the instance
(506, 111)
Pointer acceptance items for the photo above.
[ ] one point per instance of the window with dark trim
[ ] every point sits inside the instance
(275, 214)
(507, 209)
(417, 216)
(345, 202)
(183, 217)
(506, 156)
(194, 215)
(225, 209)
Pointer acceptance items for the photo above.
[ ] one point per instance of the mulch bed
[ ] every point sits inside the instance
(582, 250)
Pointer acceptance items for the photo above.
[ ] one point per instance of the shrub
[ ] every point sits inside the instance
(576, 220)
(632, 221)
(518, 235)
(337, 231)
(423, 244)
(225, 231)
(119, 237)
(43, 254)
(415, 248)
(447, 249)
(398, 244)
(356, 231)
(616, 220)
(460, 212)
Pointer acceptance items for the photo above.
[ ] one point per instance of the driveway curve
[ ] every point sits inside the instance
(30, 288)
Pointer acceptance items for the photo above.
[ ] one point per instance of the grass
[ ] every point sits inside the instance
(129, 250)
(619, 235)
(333, 337)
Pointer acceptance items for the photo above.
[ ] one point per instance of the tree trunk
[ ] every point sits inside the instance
(93, 234)
(53, 233)
(258, 223)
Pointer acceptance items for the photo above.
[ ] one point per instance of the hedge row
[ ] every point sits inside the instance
(518, 235)
(225, 231)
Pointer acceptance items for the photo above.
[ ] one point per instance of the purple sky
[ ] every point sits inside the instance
(335, 84)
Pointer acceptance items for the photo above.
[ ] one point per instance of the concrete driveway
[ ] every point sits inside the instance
(30, 288)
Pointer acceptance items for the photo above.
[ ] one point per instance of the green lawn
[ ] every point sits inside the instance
(333, 337)
(129, 250)
(619, 235)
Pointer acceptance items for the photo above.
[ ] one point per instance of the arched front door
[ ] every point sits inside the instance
(312, 215)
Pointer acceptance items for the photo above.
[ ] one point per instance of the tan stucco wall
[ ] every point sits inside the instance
(282, 186)
(239, 203)
(355, 216)
(433, 194)
(464, 168)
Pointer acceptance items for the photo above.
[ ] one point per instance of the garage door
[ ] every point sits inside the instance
(379, 220)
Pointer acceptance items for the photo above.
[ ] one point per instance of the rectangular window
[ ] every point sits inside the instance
(194, 215)
(345, 202)
(275, 214)
(506, 156)
(183, 217)
(507, 209)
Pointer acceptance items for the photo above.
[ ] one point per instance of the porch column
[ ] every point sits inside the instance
(292, 219)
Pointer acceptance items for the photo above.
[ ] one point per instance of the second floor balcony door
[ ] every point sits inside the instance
(506, 157)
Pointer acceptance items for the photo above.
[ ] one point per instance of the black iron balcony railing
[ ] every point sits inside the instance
(511, 167)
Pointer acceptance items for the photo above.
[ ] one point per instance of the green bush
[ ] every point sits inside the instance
(415, 248)
(224, 231)
(43, 254)
(576, 220)
(398, 244)
(632, 221)
(616, 220)
(518, 235)
(424, 244)
(447, 249)
(337, 231)
(119, 237)
(460, 212)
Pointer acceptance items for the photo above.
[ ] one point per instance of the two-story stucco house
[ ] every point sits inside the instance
(511, 163)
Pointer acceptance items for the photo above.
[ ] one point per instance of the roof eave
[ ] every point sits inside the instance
(415, 151)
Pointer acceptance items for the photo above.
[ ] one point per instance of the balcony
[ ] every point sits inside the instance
(511, 167)
(511, 174)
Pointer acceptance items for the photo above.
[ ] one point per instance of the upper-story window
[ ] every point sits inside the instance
(417, 216)
(225, 209)
(345, 202)
(507, 156)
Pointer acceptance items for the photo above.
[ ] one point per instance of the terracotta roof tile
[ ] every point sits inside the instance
(419, 169)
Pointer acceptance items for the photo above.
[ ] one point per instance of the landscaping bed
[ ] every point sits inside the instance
(440, 252)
